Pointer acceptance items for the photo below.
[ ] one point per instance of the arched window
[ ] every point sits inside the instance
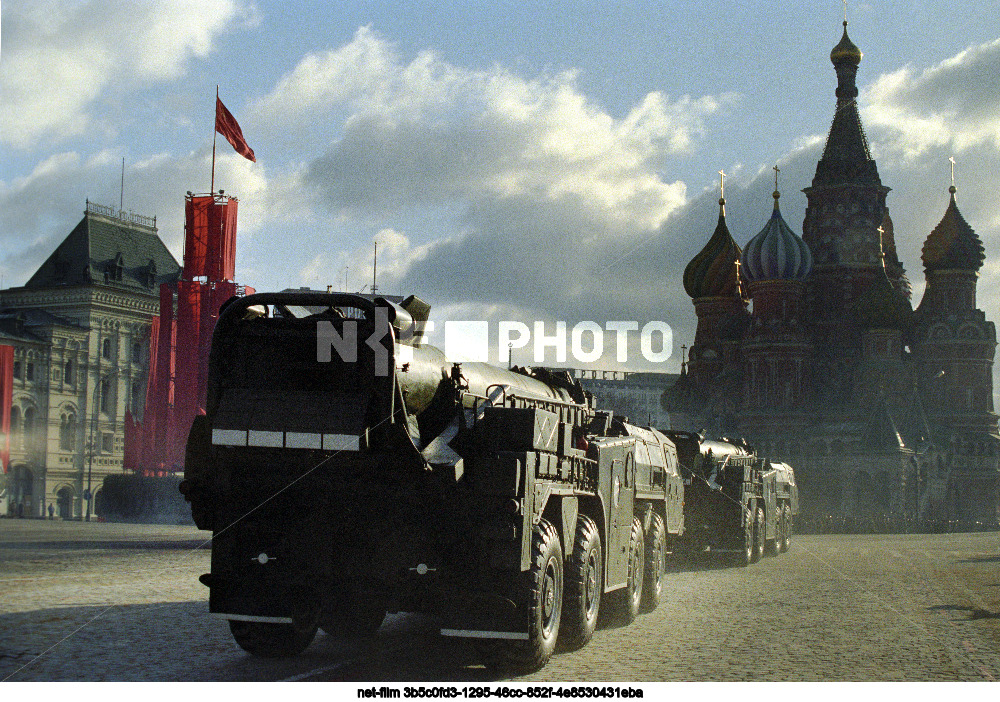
(68, 371)
(107, 396)
(29, 428)
(67, 431)
(106, 348)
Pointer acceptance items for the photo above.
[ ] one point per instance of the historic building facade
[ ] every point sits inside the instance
(883, 409)
(80, 328)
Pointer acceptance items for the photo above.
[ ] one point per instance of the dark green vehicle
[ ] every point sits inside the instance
(348, 470)
(736, 503)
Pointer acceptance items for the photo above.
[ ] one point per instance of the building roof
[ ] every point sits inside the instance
(108, 248)
(846, 158)
(953, 244)
(714, 272)
(776, 253)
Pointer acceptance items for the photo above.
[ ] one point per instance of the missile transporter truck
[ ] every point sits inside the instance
(736, 503)
(348, 470)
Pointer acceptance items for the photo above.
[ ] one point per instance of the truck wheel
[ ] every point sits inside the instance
(744, 556)
(786, 519)
(584, 585)
(771, 546)
(758, 536)
(542, 589)
(655, 558)
(782, 517)
(626, 600)
(271, 640)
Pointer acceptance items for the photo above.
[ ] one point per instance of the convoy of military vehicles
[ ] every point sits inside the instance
(347, 470)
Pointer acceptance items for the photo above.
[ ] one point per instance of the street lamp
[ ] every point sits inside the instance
(89, 495)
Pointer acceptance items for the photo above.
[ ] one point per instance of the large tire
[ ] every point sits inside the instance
(782, 524)
(772, 546)
(786, 518)
(748, 530)
(584, 585)
(542, 597)
(626, 601)
(655, 564)
(758, 535)
(272, 640)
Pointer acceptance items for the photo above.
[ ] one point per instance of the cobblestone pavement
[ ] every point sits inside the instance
(122, 602)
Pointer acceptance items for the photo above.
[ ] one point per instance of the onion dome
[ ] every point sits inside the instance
(882, 306)
(776, 253)
(714, 272)
(846, 50)
(953, 244)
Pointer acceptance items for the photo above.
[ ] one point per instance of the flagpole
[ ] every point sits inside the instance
(214, 132)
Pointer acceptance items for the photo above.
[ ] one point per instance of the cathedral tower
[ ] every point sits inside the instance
(955, 342)
(776, 263)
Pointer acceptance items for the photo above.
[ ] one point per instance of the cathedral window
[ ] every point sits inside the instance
(68, 371)
(106, 349)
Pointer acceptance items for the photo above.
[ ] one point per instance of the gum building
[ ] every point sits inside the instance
(80, 330)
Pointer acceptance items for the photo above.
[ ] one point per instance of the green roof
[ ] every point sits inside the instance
(122, 251)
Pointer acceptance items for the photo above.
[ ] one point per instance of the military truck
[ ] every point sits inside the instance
(736, 503)
(347, 470)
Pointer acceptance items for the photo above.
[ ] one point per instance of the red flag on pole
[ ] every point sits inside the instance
(227, 126)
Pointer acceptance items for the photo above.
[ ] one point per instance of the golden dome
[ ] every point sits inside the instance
(846, 50)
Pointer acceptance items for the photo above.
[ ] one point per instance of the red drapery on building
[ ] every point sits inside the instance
(210, 238)
(6, 390)
(181, 337)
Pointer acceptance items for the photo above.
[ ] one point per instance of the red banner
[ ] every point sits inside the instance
(210, 238)
(227, 126)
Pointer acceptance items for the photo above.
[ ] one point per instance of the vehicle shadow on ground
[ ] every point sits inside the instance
(981, 559)
(180, 641)
(689, 562)
(974, 612)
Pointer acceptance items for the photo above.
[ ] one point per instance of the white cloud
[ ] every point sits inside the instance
(60, 56)
(955, 103)
(428, 132)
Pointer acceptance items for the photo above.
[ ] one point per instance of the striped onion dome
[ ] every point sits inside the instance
(953, 244)
(714, 272)
(776, 253)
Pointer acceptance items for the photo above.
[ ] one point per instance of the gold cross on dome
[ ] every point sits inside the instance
(845, 11)
(776, 171)
(952, 159)
(723, 174)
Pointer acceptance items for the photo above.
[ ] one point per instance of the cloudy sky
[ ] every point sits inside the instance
(514, 160)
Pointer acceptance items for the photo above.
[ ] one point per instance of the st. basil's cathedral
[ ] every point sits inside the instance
(885, 411)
